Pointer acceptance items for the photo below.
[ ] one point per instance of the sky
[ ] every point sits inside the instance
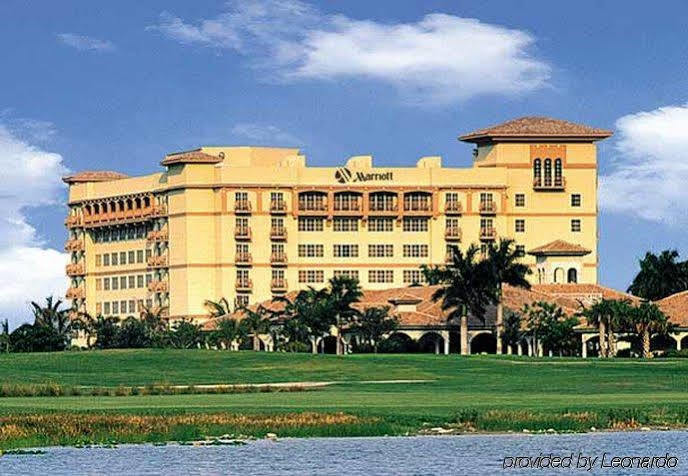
(116, 85)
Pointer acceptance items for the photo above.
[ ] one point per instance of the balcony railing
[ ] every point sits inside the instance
(489, 207)
(244, 285)
(75, 269)
(352, 206)
(278, 285)
(453, 207)
(73, 221)
(158, 210)
(418, 207)
(488, 233)
(278, 258)
(157, 286)
(157, 261)
(452, 233)
(278, 206)
(278, 233)
(316, 207)
(74, 245)
(75, 293)
(558, 183)
(383, 208)
(157, 236)
(242, 206)
(242, 233)
(244, 257)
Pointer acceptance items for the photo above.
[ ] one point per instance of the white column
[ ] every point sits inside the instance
(465, 350)
(445, 336)
(519, 349)
(584, 347)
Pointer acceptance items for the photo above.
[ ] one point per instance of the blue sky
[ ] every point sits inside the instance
(116, 85)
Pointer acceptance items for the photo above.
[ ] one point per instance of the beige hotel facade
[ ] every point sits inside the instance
(250, 223)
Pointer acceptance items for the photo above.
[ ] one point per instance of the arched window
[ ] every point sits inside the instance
(537, 172)
(572, 276)
(558, 179)
(548, 172)
(559, 275)
(130, 204)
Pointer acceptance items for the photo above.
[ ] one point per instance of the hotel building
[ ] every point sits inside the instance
(249, 223)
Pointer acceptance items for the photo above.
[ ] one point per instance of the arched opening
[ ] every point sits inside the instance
(417, 201)
(137, 203)
(558, 179)
(348, 202)
(329, 345)
(312, 201)
(592, 346)
(120, 205)
(398, 343)
(130, 204)
(382, 202)
(485, 343)
(684, 342)
(146, 202)
(113, 207)
(548, 172)
(523, 345)
(628, 346)
(559, 275)
(431, 343)
(662, 343)
(537, 172)
(572, 275)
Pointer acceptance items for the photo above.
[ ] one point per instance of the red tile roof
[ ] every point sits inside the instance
(190, 157)
(675, 307)
(559, 248)
(93, 176)
(534, 127)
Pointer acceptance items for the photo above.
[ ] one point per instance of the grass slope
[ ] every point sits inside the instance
(479, 392)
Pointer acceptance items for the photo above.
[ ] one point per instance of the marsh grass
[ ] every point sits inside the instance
(55, 390)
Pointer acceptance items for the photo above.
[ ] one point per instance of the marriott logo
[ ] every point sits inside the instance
(344, 175)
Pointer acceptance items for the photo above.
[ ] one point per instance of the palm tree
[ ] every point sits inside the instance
(647, 319)
(228, 332)
(52, 316)
(153, 318)
(432, 275)
(218, 308)
(468, 286)
(506, 267)
(310, 311)
(343, 293)
(374, 323)
(660, 276)
(254, 323)
(86, 323)
(596, 316)
(5, 336)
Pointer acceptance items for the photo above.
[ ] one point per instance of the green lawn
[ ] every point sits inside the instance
(657, 389)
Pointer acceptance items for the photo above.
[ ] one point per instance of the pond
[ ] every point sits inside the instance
(424, 455)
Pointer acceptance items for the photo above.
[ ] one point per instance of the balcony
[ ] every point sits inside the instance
(73, 221)
(242, 233)
(488, 233)
(244, 285)
(488, 208)
(347, 208)
(449, 257)
(452, 233)
(383, 208)
(453, 208)
(244, 258)
(74, 245)
(75, 293)
(278, 233)
(157, 286)
(313, 208)
(75, 269)
(158, 210)
(278, 285)
(157, 236)
(557, 184)
(157, 261)
(418, 208)
(278, 206)
(242, 206)
(279, 258)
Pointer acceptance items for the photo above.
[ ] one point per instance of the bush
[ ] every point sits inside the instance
(36, 338)
(676, 354)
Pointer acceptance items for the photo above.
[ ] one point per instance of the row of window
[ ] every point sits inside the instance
(375, 224)
(130, 307)
(314, 276)
(520, 200)
(132, 281)
(308, 250)
(123, 233)
(122, 258)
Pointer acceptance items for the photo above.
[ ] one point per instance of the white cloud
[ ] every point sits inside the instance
(86, 43)
(263, 134)
(28, 269)
(649, 176)
(441, 58)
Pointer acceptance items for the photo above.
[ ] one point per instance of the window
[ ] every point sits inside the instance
(520, 251)
(310, 224)
(380, 251)
(123, 282)
(345, 224)
(132, 281)
(98, 261)
(99, 308)
(345, 251)
(451, 197)
(132, 306)
(348, 273)
(139, 256)
(278, 274)
(149, 279)
(99, 284)
(312, 201)
(380, 276)
(576, 200)
(106, 308)
(122, 257)
(413, 276)
(149, 253)
(132, 257)
(106, 284)
(115, 284)
(520, 225)
(106, 260)
(383, 202)
(415, 224)
(417, 201)
(415, 251)
(139, 281)
(277, 248)
(241, 300)
(276, 196)
(115, 307)
(241, 248)
(311, 276)
(311, 251)
(113, 259)
(558, 179)
(277, 222)
(572, 275)
(242, 275)
(575, 225)
(520, 199)
(537, 172)
(380, 224)
(451, 223)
